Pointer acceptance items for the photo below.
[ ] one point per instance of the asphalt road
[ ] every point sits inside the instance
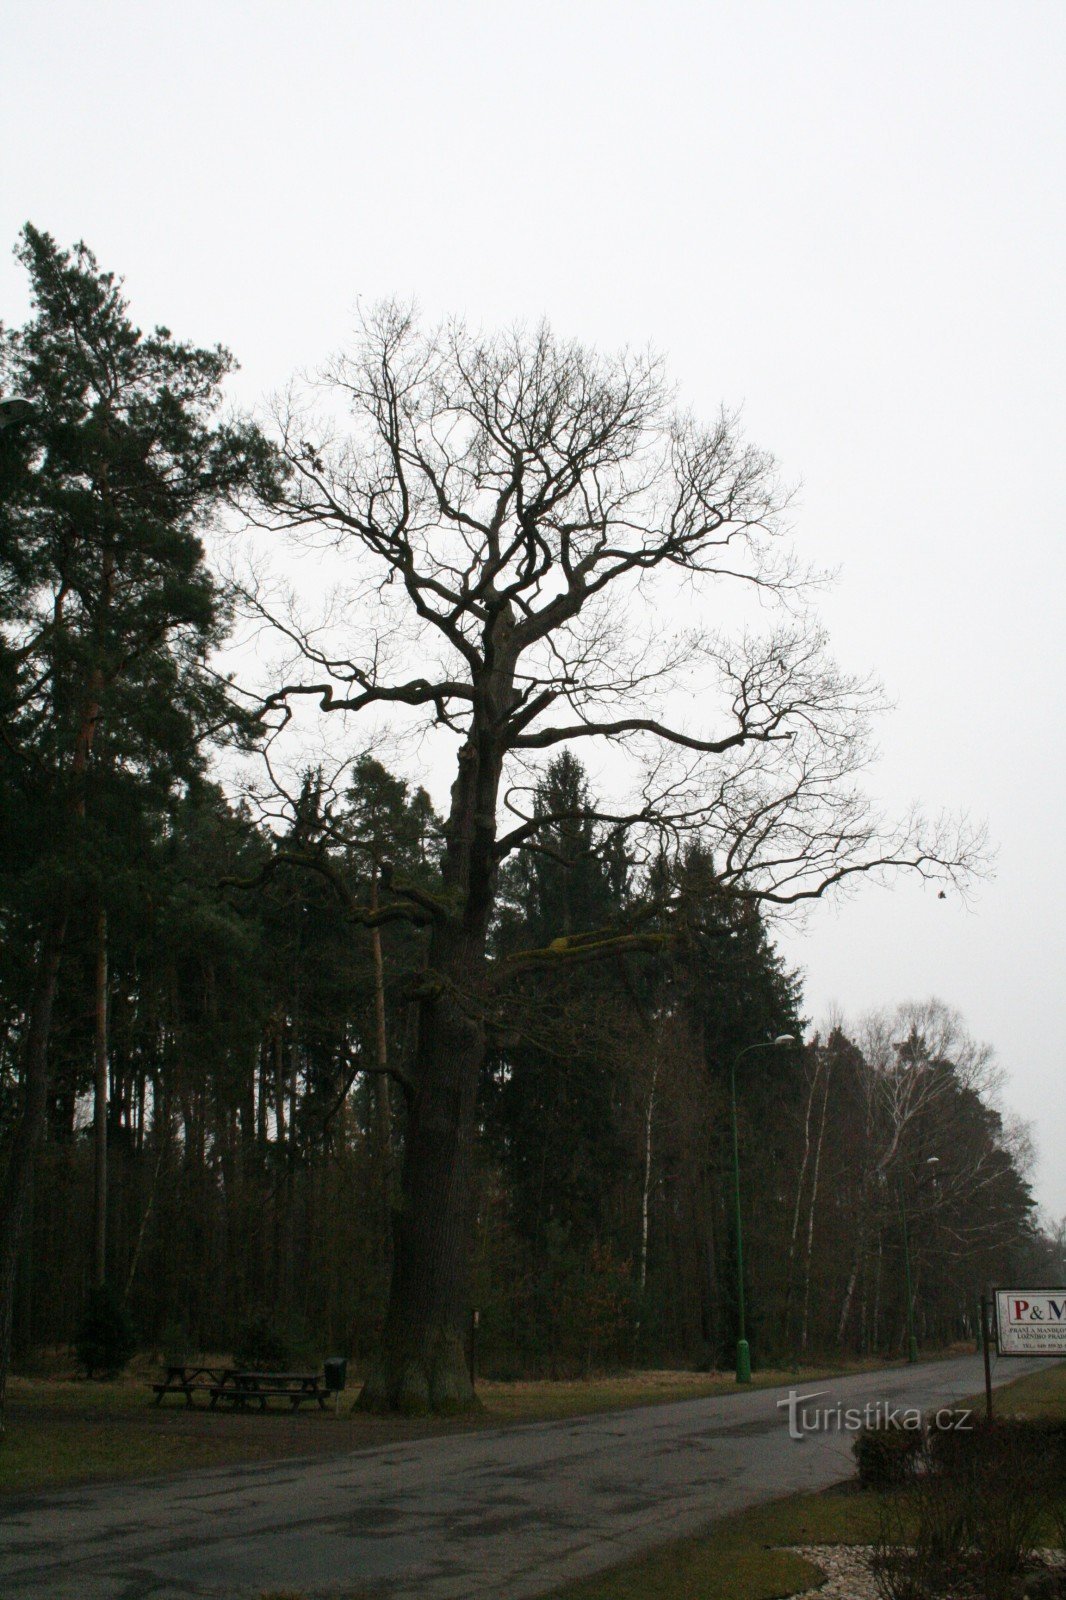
(506, 1513)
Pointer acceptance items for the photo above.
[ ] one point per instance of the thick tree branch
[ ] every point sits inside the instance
(577, 950)
(364, 916)
(610, 730)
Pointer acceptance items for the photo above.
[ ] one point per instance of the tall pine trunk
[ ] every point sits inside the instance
(100, 1103)
(35, 1064)
(384, 1155)
(19, 1174)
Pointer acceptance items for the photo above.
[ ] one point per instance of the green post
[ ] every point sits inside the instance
(912, 1343)
(743, 1353)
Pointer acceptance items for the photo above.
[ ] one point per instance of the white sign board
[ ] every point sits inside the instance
(1031, 1322)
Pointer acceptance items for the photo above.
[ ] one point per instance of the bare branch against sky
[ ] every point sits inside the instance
(846, 221)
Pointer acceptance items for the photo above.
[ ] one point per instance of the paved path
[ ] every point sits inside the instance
(505, 1514)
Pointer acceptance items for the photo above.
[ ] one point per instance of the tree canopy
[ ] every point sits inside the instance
(347, 1066)
(512, 509)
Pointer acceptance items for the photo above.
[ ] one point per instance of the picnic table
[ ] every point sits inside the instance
(188, 1380)
(238, 1388)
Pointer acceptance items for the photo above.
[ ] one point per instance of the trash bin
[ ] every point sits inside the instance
(336, 1370)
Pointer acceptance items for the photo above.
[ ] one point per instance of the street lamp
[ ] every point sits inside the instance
(743, 1353)
(16, 413)
(16, 409)
(912, 1342)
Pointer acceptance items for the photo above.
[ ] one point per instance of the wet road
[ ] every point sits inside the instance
(505, 1513)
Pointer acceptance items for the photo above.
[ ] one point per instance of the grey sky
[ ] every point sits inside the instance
(846, 218)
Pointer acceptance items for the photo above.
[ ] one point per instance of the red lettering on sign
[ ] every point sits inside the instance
(1019, 1307)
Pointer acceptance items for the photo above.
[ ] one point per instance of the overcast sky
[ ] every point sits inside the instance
(845, 218)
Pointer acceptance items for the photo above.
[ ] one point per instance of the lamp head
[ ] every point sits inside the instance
(16, 409)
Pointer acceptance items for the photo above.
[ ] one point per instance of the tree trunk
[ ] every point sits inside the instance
(381, 1143)
(649, 1113)
(262, 1097)
(100, 1104)
(135, 1258)
(19, 1172)
(36, 1074)
(800, 1181)
(279, 1088)
(876, 1327)
(382, 1102)
(853, 1277)
(422, 1363)
(805, 1321)
(23, 1329)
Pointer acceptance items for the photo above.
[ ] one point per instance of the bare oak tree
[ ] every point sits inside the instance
(521, 519)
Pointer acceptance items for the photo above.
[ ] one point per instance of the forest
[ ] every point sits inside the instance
(252, 1032)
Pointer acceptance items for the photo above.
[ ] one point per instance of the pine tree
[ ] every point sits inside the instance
(109, 612)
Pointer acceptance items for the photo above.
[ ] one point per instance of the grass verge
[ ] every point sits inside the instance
(1041, 1394)
(547, 1401)
(740, 1558)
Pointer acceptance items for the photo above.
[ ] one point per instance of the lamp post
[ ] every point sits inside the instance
(15, 410)
(743, 1352)
(912, 1342)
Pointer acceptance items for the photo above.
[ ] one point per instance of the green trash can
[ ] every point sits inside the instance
(336, 1370)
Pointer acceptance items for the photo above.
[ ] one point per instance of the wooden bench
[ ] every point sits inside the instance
(188, 1380)
(239, 1389)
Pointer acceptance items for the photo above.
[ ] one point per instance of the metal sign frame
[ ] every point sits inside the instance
(1059, 1292)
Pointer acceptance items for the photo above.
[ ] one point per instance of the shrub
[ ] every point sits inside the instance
(175, 1344)
(268, 1344)
(502, 1366)
(1056, 1433)
(566, 1310)
(1010, 1491)
(887, 1455)
(970, 1517)
(106, 1337)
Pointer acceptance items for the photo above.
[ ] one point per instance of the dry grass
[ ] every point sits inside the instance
(538, 1400)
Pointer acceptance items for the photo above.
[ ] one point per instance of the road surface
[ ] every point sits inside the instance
(504, 1513)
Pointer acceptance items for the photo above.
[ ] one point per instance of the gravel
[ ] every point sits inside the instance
(848, 1575)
